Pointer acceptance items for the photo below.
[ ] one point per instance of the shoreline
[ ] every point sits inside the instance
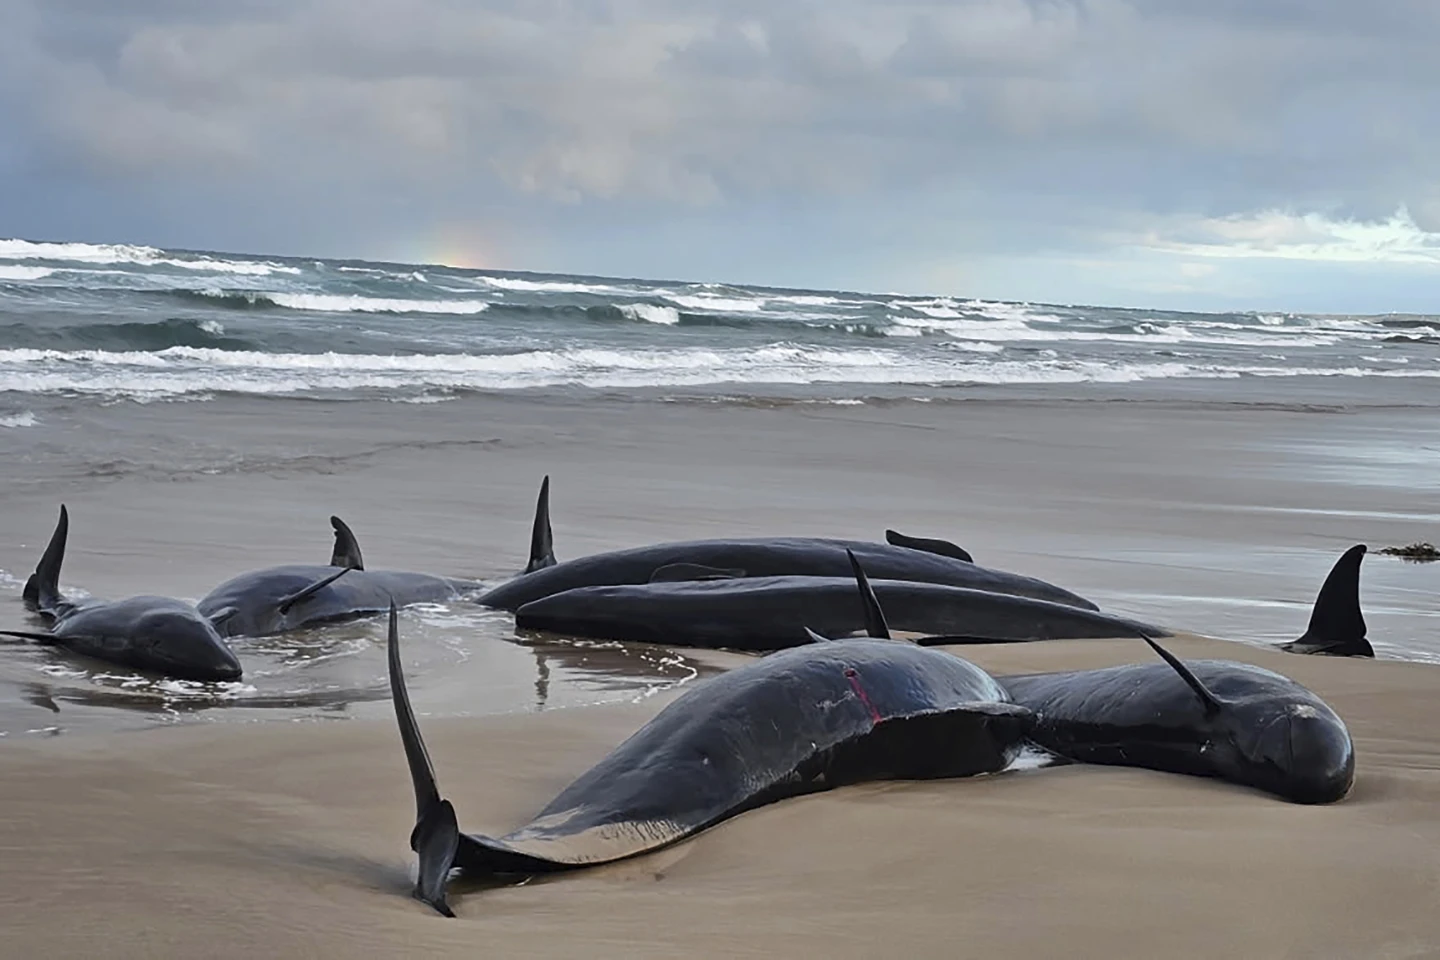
(1222, 522)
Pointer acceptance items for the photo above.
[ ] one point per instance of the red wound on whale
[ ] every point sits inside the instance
(854, 679)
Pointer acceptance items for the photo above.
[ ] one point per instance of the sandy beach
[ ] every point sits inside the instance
(145, 823)
(289, 840)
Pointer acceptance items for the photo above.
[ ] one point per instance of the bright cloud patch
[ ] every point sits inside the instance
(1311, 236)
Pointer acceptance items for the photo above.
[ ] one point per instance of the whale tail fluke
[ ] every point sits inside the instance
(347, 548)
(436, 837)
(1337, 627)
(42, 590)
(542, 539)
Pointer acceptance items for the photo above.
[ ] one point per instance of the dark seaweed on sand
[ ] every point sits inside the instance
(1418, 552)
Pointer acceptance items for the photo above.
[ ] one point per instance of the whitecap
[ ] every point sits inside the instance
(553, 286)
(650, 313)
(717, 304)
(15, 249)
(335, 303)
(14, 271)
(16, 420)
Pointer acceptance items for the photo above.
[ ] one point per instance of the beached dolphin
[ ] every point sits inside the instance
(157, 634)
(1337, 627)
(772, 613)
(1207, 718)
(902, 558)
(799, 721)
(279, 599)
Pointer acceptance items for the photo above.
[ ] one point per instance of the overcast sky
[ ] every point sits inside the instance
(1269, 154)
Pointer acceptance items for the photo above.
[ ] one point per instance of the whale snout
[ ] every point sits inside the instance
(1311, 751)
(189, 648)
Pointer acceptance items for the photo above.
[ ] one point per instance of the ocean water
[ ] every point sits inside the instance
(119, 322)
(169, 397)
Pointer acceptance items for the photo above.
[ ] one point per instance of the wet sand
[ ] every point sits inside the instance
(289, 838)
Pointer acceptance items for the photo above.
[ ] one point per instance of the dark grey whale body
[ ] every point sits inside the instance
(770, 557)
(1208, 718)
(278, 599)
(1212, 718)
(157, 634)
(772, 613)
(798, 721)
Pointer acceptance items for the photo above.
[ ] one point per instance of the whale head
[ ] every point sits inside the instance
(1286, 742)
(1296, 748)
(183, 644)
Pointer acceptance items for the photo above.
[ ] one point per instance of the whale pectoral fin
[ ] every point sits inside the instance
(542, 538)
(1337, 627)
(679, 572)
(287, 603)
(436, 836)
(221, 615)
(943, 548)
(1208, 700)
(816, 638)
(347, 548)
(45, 638)
(959, 640)
(996, 708)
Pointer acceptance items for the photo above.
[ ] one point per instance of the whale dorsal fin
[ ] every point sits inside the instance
(542, 539)
(1336, 624)
(42, 589)
(347, 548)
(1208, 700)
(305, 593)
(875, 625)
(673, 572)
(436, 836)
(942, 548)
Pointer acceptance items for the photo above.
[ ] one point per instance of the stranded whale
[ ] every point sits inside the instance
(799, 721)
(278, 599)
(902, 558)
(158, 634)
(772, 613)
(1208, 718)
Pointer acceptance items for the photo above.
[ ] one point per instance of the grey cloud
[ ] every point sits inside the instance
(1066, 112)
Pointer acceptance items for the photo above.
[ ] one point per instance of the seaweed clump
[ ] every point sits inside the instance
(1415, 552)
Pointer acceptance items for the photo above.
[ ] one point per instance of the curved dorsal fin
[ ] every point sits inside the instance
(1208, 700)
(1336, 624)
(347, 548)
(816, 638)
(42, 589)
(875, 625)
(942, 548)
(673, 572)
(542, 540)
